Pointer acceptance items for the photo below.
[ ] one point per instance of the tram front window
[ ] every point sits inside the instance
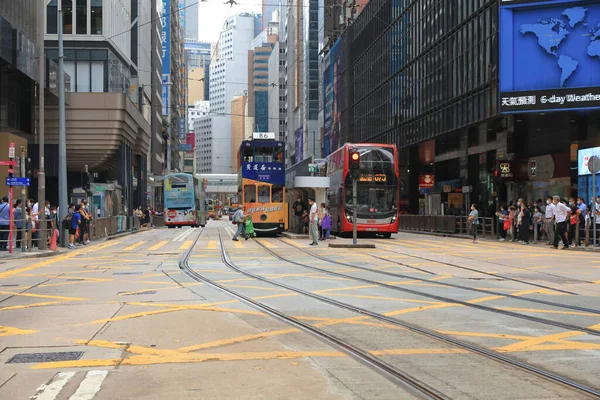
(264, 194)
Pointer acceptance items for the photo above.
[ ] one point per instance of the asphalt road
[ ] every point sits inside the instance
(121, 320)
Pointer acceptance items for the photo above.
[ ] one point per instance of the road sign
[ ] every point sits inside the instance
(313, 168)
(11, 150)
(9, 163)
(17, 182)
(594, 164)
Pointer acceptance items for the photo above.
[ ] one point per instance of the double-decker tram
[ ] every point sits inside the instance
(262, 183)
(378, 189)
(184, 201)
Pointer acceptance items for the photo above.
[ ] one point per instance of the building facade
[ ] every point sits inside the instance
(110, 69)
(19, 81)
(425, 75)
(192, 11)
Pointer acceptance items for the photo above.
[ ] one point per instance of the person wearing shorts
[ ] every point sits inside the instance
(75, 222)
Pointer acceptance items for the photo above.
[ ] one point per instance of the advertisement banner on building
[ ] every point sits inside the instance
(271, 172)
(426, 181)
(331, 101)
(299, 144)
(165, 38)
(549, 55)
(583, 157)
(181, 133)
(190, 140)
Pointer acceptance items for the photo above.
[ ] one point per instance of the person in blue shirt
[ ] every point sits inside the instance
(4, 223)
(18, 218)
(75, 222)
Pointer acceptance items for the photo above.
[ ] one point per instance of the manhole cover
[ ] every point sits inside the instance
(137, 293)
(127, 273)
(45, 357)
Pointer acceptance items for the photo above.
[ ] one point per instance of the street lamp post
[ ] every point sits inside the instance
(62, 133)
(41, 140)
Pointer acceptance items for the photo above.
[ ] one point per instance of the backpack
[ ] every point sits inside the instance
(67, 221)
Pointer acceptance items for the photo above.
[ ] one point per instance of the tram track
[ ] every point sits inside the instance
(504, 277)
(446, 284)
(390, 372)
(382, 367)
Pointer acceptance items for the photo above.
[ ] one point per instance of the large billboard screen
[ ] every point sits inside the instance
(549, 55)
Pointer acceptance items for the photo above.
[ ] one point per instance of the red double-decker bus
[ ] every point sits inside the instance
(378, 189)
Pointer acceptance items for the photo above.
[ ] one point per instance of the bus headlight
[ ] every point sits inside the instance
(349, 218)
(394, 218)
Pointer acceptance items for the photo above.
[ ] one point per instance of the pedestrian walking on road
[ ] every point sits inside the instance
(561, 213)
(474, 222)
(239, 219)
(314, 222)
(549, 224)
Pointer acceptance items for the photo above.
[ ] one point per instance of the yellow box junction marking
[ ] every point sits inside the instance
(186, 245)
(10, 331)
(134, 246)
(158, 246)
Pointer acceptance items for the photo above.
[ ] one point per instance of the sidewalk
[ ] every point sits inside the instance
(540, 243)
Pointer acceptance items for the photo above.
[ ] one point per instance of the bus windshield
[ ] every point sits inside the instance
(179, 192)
(377, 184)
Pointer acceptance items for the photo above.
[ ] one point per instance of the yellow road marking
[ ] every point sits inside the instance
(134, 246)
(534, 341)
(45, 296)
(10, 331)
(549, 311)
(238, 245)
(245, 338)
(42, 304)
(158, 245)
(212, 245)
(186, 245)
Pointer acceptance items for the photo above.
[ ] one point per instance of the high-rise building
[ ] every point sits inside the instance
(238, 129)
(228, 78)
(191, 20)
(258, 76)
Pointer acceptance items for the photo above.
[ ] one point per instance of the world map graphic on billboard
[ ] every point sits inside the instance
(552, 33)
(549, 55)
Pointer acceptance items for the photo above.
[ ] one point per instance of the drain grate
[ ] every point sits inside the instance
(127, 273)
(10, 285)
(137, 293)
(45, 357)
(75, 280)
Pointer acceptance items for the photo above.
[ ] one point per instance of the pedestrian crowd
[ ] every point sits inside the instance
(555, 220)
(315, 220)
(27, 227)
(145, 216)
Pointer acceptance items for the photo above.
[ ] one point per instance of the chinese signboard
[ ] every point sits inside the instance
(273, 173)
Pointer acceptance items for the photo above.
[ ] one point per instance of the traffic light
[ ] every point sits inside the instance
(355, 164)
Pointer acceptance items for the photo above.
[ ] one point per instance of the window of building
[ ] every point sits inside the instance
(96, 17)
(81, 12)
(67, 11)
(52, 18)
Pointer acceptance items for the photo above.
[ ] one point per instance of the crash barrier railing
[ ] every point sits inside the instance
(445, 224)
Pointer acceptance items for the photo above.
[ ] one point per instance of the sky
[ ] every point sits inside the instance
(213, 14)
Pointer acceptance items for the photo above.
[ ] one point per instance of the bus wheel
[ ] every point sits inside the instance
(170, 226)
(202, 226)
(179, 226)
(387, 235)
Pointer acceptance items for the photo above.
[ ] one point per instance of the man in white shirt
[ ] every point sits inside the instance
(314, 222)
(549, 224)
(239, 218)
(561, 215)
